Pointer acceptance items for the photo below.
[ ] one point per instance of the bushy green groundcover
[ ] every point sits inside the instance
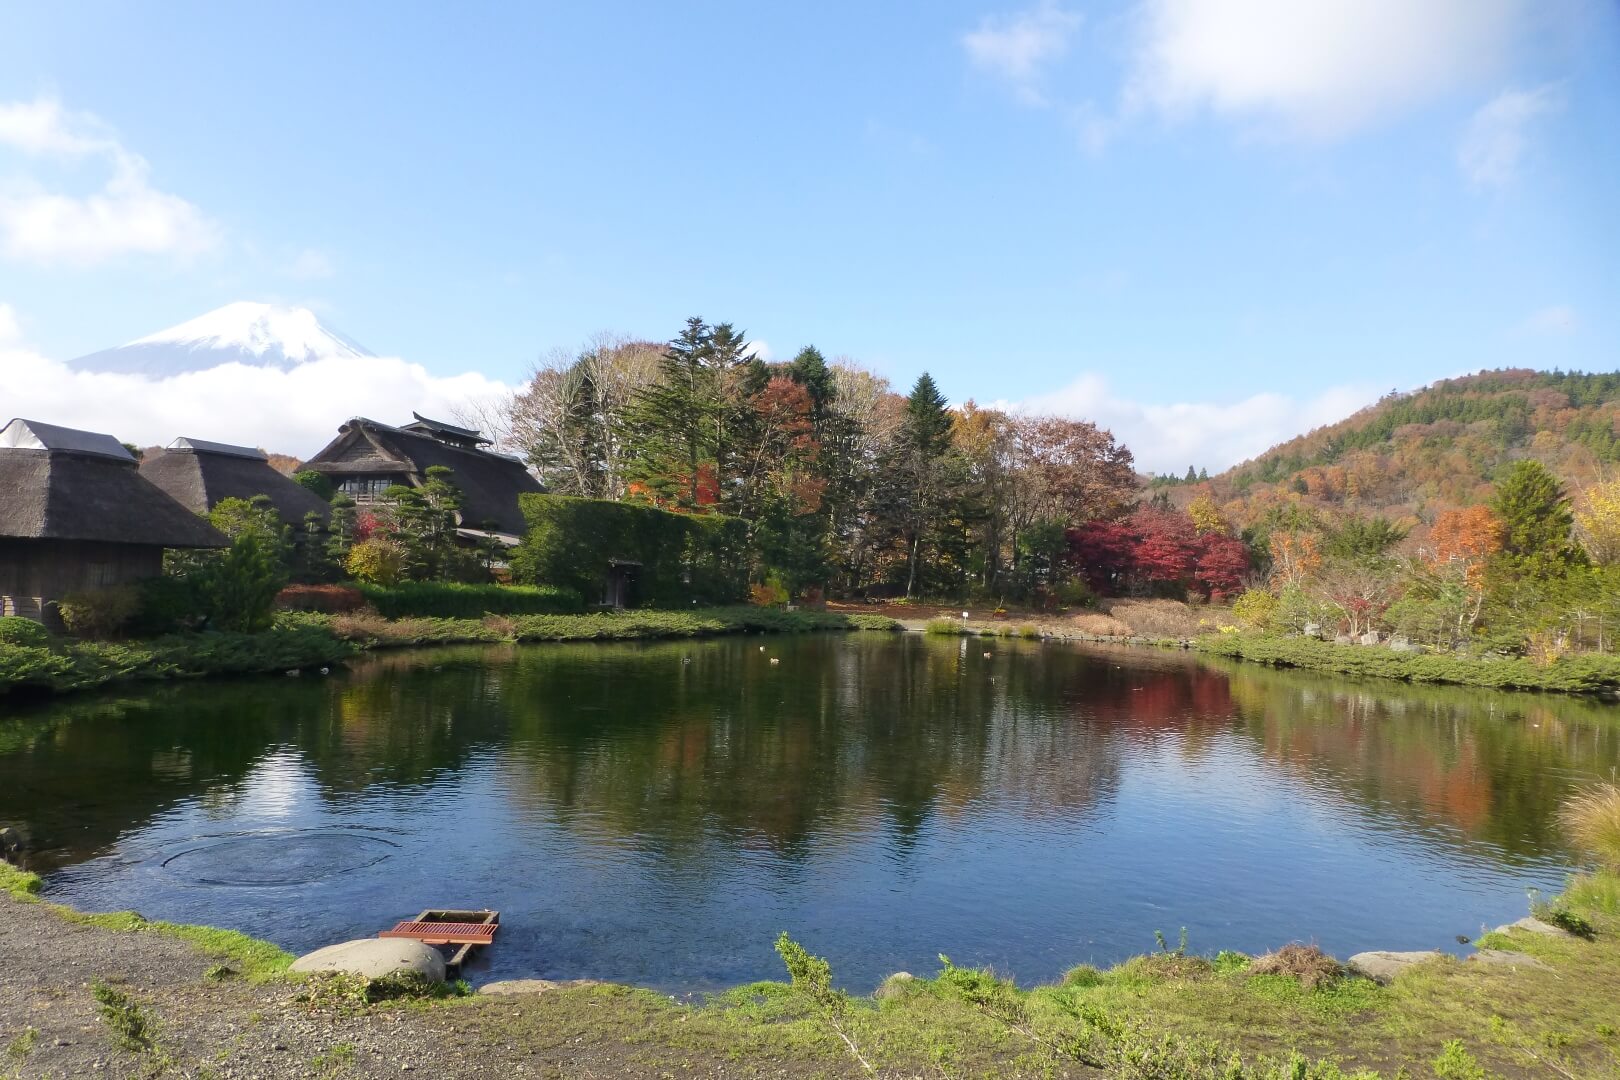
(1583, 673)
(306, 640)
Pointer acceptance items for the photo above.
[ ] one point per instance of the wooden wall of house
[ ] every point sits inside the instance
(35, 572)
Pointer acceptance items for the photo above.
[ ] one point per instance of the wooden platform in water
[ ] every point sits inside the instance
(440, 927)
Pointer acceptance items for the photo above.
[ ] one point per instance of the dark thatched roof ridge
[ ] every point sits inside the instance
(63, 495)
(490, 483)
(199, 479)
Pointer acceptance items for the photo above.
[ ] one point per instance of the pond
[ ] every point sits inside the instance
(657, 813)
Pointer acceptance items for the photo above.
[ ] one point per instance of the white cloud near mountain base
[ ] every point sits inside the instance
(1497, 137)
(1320, 69)
(293, 411)
(1166, 438)
(125, 216)
(1019, 48)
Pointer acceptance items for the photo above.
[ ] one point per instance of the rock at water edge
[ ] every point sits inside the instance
(374, 958)
(1382, 967)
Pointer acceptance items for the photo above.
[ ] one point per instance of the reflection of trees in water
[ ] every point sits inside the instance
(846, 735)
(676, 745)
(1491, 766)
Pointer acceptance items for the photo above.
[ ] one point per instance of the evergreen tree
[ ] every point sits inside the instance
(924, 444)
(1192, 476)
(1536, 521)
(675, 420)
(928, 418)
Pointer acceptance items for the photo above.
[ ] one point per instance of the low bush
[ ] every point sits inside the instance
(447, 600)
(16, 630)
(331, 599)
(99, 613)
(1100, 625)
(944, 627)
(1585, 673)
(1161, 618)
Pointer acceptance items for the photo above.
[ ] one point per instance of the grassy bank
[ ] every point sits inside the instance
(246, 956)
(310, 640)
(1169, 1015)
(1585, 673)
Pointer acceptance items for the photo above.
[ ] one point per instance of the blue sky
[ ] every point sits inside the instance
(1148, 212)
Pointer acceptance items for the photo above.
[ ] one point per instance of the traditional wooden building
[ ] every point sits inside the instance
(198, 474)
(76, 514)
(367, 458)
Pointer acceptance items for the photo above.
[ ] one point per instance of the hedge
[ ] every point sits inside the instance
(684, 559)
(446, 600)
(1581, 673)
(85, 664)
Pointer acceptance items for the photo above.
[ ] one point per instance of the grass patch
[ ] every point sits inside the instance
(19, 1048)
(129, 1024)
(1592, 820)
(1585, 673)
(1306, 965)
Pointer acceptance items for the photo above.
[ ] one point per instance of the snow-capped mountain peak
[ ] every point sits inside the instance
(260, 335)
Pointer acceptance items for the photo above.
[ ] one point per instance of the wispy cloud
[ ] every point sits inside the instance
(1497, 136)
(1167, 437)
(10, 330)
(126, 216)
(296, 410)
(1321, 69)
(1555, 319)
(1019, 48)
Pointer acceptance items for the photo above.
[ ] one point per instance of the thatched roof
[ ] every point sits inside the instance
(490, 483)
(198, 474)
(62, 484)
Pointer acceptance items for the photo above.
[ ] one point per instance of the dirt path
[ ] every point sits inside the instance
(203, 1027)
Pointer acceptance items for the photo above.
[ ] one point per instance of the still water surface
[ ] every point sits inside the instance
(657, 813)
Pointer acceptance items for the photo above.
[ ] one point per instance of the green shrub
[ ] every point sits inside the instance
(1584, 673)
(319, 483)
(943, 627)
(169, 604)
(16, 630)
(681, 559)
(99, 613)
(446, 600)
(1255, 610)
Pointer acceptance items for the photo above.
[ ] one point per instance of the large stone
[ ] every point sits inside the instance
(373, 958)
(894, 986)
(1507, 959)
(1402, 643)
(1370, 638)
(1533, 925)
(1313, 629)
(1381, 966)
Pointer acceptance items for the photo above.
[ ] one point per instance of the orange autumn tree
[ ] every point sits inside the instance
(1466, 538)
(1295, 556)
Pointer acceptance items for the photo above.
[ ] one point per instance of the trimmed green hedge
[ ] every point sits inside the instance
(371, 632)
(85, 664)
(447, 600)
(684, 559)
(1583, 673)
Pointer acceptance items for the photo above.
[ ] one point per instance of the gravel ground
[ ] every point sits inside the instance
(231, 1028)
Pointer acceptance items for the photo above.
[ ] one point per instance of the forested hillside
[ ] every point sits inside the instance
(1411, 456)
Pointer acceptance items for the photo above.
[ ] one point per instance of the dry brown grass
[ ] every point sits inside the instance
(1099, 625)
(1592, 820)
(1166, 618)
(1306, 964)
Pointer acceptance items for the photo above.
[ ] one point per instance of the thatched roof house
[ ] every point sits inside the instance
(367, 458)
(76, 514)
(198, 474)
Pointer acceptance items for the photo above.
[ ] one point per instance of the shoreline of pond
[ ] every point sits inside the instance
(1199, 1010)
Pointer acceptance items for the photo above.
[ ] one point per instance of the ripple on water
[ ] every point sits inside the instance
(279, 858)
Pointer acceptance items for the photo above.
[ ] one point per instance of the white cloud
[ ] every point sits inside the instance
(1496, 138)
(1212, 435)
(1554, 319)
(311, 264)
(1019, 48)
(761, 349)
(1322, 68)
(10, 330)
(296, 411)
(125, 217)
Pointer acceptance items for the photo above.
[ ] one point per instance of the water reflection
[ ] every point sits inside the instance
(658, 812)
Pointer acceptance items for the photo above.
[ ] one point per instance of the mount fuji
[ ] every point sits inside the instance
(259, 335)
